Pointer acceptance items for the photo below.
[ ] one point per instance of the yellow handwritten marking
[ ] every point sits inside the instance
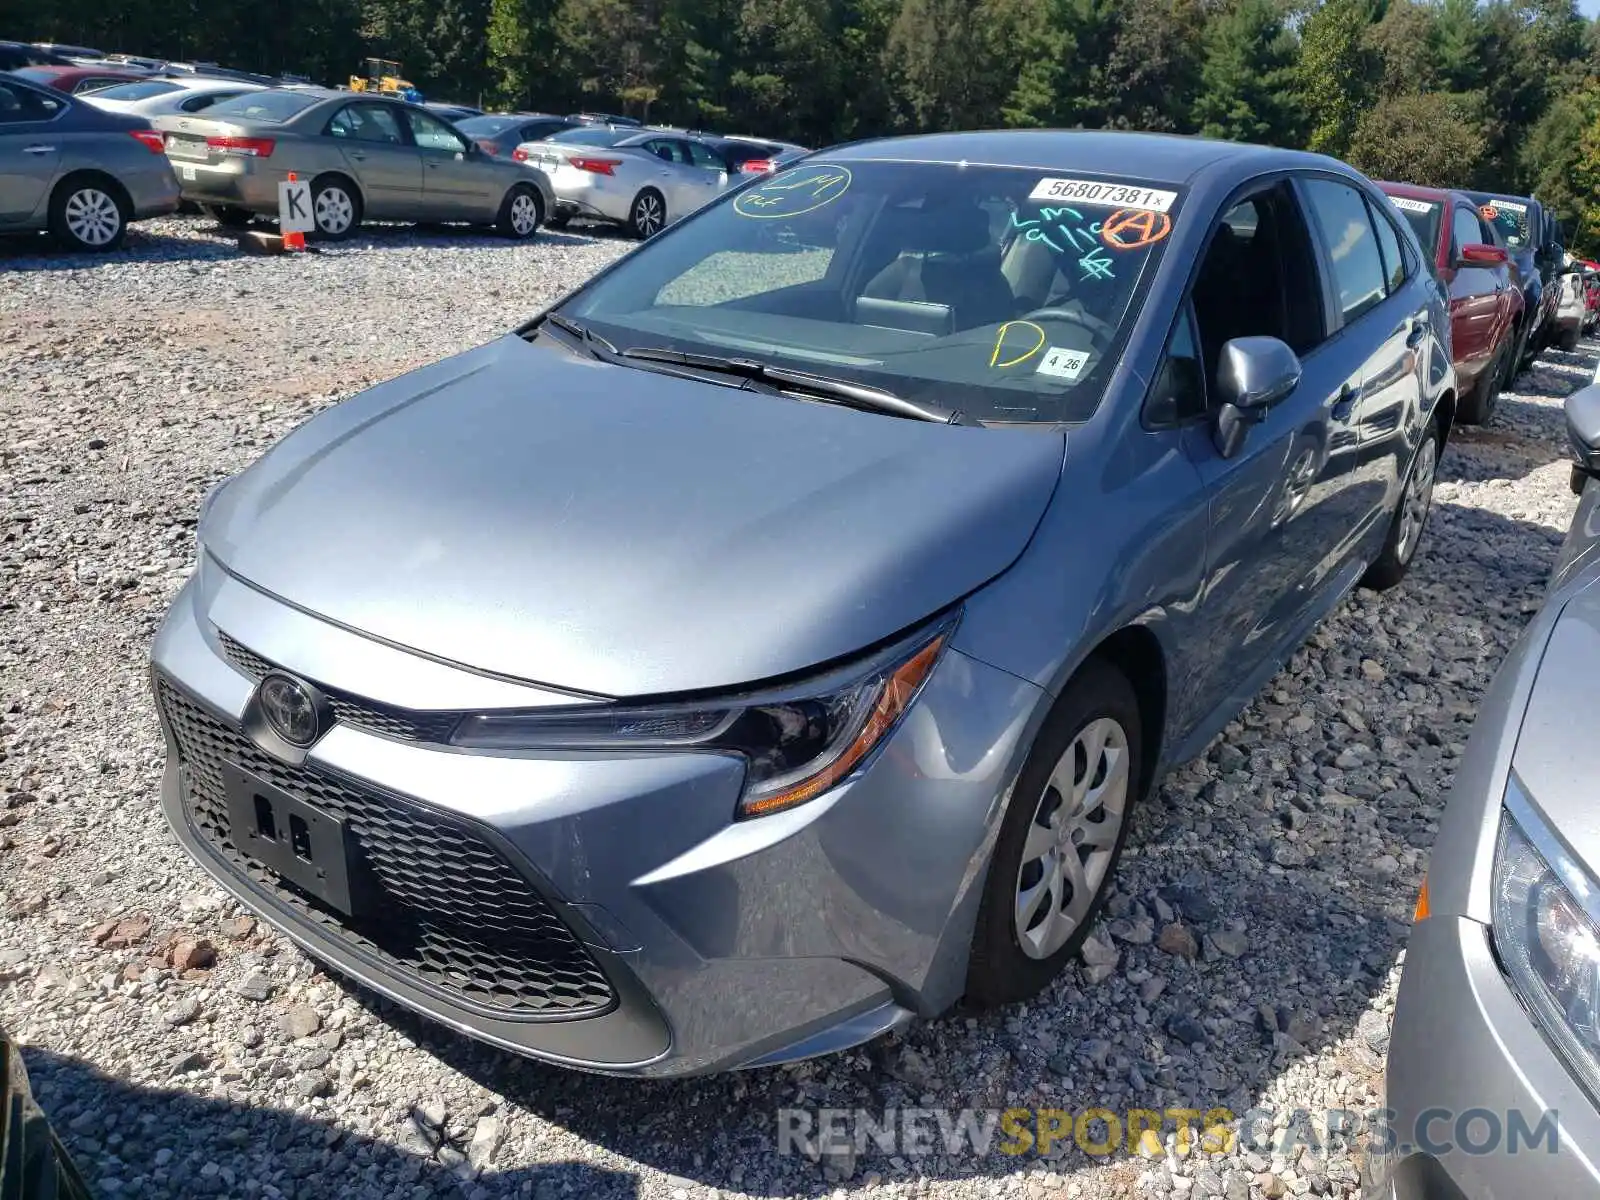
(1000, 342)
(805, 192)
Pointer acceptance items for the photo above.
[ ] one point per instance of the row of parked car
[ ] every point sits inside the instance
(82, 131)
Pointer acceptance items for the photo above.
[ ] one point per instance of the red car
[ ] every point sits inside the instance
(1474, 266)
(77, 80)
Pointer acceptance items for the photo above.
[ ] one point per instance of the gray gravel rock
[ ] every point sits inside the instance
(135, 381)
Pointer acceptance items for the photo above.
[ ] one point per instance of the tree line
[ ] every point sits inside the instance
(1504, 95)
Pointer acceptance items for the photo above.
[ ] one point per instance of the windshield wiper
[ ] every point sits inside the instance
(823, 387)
(592, 342)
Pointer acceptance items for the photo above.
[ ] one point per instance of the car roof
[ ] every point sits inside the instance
(1159, 157)
(1417, 192)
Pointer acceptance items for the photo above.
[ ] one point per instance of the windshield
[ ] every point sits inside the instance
(992, 290)
(594, 136)
(1508, 216)
(142, 90)
(271, 107)
(1423, 217)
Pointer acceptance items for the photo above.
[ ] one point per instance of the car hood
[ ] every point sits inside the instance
(1554, 755)
(523, 511)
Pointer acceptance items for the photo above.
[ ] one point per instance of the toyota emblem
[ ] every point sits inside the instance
(291, 709)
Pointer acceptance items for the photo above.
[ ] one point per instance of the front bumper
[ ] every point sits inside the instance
(721, 943)
(1461, 1045)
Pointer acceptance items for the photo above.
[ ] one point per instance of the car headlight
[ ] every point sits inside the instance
(798, 742)
(1546, 913)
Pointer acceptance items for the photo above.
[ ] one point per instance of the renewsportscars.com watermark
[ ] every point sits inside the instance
(979, 1132)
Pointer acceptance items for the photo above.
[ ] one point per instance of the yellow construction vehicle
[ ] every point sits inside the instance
(383, 77)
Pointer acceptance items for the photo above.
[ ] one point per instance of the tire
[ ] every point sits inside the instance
(230, 216)
(521, 213)
(1478, 408)
(1569, 341)
(648, 214)
(1410, 518)
(1016, 953)
(335, 207)
(89, 213)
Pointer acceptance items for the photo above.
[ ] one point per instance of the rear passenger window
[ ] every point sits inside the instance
(1394, 262)
(1341, 217)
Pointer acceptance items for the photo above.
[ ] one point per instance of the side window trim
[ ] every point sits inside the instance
(1380, 221)
(1185, 317)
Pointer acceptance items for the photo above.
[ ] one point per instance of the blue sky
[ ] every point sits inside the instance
(1589, 8)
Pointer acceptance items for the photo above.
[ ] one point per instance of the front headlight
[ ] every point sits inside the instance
(1547, 934)
(798, 742)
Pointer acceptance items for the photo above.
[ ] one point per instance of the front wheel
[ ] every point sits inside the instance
(1410, 516)
(520, 213)
(648, 216)
(1061, 838)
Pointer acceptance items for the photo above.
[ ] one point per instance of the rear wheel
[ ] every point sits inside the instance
(648, 216)
(335, 207)
(1478, 408)
(1410, 516)
(1062, 835)
(89, 213)
(521, 213)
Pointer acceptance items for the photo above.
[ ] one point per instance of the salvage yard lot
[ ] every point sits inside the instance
(1289, 855)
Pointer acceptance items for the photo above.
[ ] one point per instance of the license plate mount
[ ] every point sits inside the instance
(291, 838)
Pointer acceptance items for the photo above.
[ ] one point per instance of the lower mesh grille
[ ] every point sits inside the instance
(455, 914)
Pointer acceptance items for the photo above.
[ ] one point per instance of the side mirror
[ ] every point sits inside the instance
(1254, 374)
(1583, 434)
(1477, 254)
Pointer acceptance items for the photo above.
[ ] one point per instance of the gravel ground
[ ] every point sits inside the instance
(1249, 959)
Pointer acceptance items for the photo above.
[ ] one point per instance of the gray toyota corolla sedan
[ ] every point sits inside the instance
(1494, 1057)
(770, 642)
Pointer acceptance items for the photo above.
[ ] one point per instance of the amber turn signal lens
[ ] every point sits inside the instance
(898, 692)
(1421, 913)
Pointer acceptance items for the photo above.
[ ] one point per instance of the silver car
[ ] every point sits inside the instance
(162, 97)
(641, 181)
(81, 173)
(366, 157)
(1493, 1078)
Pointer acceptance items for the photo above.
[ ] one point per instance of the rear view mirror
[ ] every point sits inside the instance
(1583, 434)
(1477, 254)
(1253, 374)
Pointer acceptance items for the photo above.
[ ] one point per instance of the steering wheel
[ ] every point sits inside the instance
(1096, 327)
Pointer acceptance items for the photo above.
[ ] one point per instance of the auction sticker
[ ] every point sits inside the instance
(1063, 363)
(1112, 195)
(1512, 205)
(1407, 204)
(790, 193)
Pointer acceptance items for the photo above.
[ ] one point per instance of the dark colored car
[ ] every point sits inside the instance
(748, 156)
(771, 642)
(454, 113)
(500, 134)
(82, 173)
(16, 55)
(75, 81)
(1532, 236)
(1485, 304)
(597, 118)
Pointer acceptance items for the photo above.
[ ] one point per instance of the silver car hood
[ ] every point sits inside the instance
(1554, 757)
(523, 511)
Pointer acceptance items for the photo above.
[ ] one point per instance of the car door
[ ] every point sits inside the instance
(673, 176)
(385, 165)
(1474, 294)
(30, 151)
(1279, 512)
(455, 185)
(709, 176)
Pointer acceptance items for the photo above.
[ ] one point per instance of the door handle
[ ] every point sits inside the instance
(358, 156)
(1345, 404)
(38, 149)
(1419, 330)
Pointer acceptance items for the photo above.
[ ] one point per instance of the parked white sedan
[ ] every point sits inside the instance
(641, 180)
(164, 97)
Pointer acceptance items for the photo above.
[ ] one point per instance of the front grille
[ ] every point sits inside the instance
(452, 912)
(403, 723)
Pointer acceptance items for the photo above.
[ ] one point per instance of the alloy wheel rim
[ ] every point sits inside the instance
(92, 216)
(334, 210)
(1419, 496)
(524, 214)
(647, 215)
(1072, 838)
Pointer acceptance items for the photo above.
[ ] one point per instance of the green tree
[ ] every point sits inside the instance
(521, 41)
(1435, 139)
(1405, 43)
(1336, 70)
(1247, 79)
(1153, 68)
(957, 61)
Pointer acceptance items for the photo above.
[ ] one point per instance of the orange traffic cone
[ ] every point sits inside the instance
(294, 241)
